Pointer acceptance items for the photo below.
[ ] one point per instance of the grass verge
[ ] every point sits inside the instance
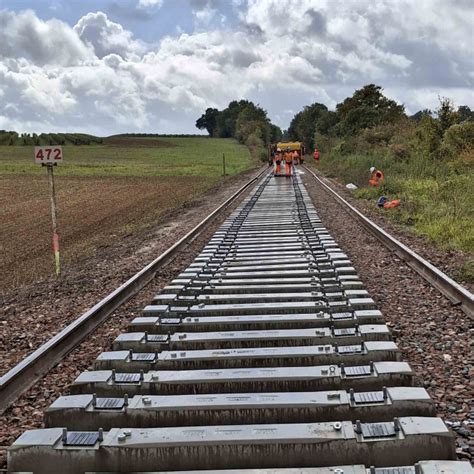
(437, 198)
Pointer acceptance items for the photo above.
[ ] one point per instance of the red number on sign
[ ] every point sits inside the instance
(39, 155)
(48, 151)
(57, 154)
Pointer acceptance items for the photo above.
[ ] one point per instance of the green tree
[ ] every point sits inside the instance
(457, 138)
(252, 120)
(304, 123)
(208, 121)
(465, 114)
(367, 108)
(275, 133)
(420, 114)
(428, 135)
(326, 121)
(227, 118)
(446, 114)
(240, 119)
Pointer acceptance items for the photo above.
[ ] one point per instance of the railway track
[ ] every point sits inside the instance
(22, 376)
(266, 354)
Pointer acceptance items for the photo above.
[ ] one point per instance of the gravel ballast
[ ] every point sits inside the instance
(60, 303)
(434, 336)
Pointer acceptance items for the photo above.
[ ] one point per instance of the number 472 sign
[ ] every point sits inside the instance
(48, 154)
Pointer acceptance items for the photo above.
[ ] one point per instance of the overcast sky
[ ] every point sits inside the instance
(107, 67)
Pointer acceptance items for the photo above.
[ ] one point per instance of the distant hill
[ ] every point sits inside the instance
(160, 135)
(10, 138)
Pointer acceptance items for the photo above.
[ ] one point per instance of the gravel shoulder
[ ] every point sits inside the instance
(435, 337)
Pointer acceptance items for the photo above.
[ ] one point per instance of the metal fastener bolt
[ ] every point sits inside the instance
(337, 426)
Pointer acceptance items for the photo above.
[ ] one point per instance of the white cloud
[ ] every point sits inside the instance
(107, 37)
(207, 16)
(24, 35)
(150, 3)
(98, 77)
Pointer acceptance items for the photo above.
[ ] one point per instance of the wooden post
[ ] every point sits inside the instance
(223, 164)
(52, 198)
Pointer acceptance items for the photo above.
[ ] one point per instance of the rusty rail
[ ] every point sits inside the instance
(456, 293)
(37, 364)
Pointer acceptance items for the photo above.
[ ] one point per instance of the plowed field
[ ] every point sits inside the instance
(103, 194)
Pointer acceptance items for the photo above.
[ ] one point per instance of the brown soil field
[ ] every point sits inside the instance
(137, 142)
(92, 212)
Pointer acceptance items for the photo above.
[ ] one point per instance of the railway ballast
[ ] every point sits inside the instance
(266, 354)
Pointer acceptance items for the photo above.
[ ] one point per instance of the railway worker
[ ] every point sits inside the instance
(296, 157)
(288, 163)
(277, 160)
(316, 154)
(376, 177)
(271, 155)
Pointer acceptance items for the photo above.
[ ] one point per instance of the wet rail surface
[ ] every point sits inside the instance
(266, 355)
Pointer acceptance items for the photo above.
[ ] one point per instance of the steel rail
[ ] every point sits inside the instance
(34, 366)
(456, 293)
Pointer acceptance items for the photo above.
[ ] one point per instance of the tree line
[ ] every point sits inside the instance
(243, 120)
(11, 138)
(368, 119)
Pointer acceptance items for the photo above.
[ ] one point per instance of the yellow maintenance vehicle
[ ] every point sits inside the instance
(278, 153)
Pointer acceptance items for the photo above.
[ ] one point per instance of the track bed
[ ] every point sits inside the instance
(266, 352)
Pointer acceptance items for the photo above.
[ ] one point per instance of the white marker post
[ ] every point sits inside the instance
(50, 156)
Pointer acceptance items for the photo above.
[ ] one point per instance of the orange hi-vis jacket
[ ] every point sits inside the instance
(289, 157)
(376, 178)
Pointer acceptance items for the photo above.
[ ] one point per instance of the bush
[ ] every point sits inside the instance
(380, 135)
(253, 140)
(398, 151)
(457, 139)
(263, 155)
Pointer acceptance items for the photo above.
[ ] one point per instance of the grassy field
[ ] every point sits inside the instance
(436, 201)
(137, 157)
(103, 192)
(437, 197)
